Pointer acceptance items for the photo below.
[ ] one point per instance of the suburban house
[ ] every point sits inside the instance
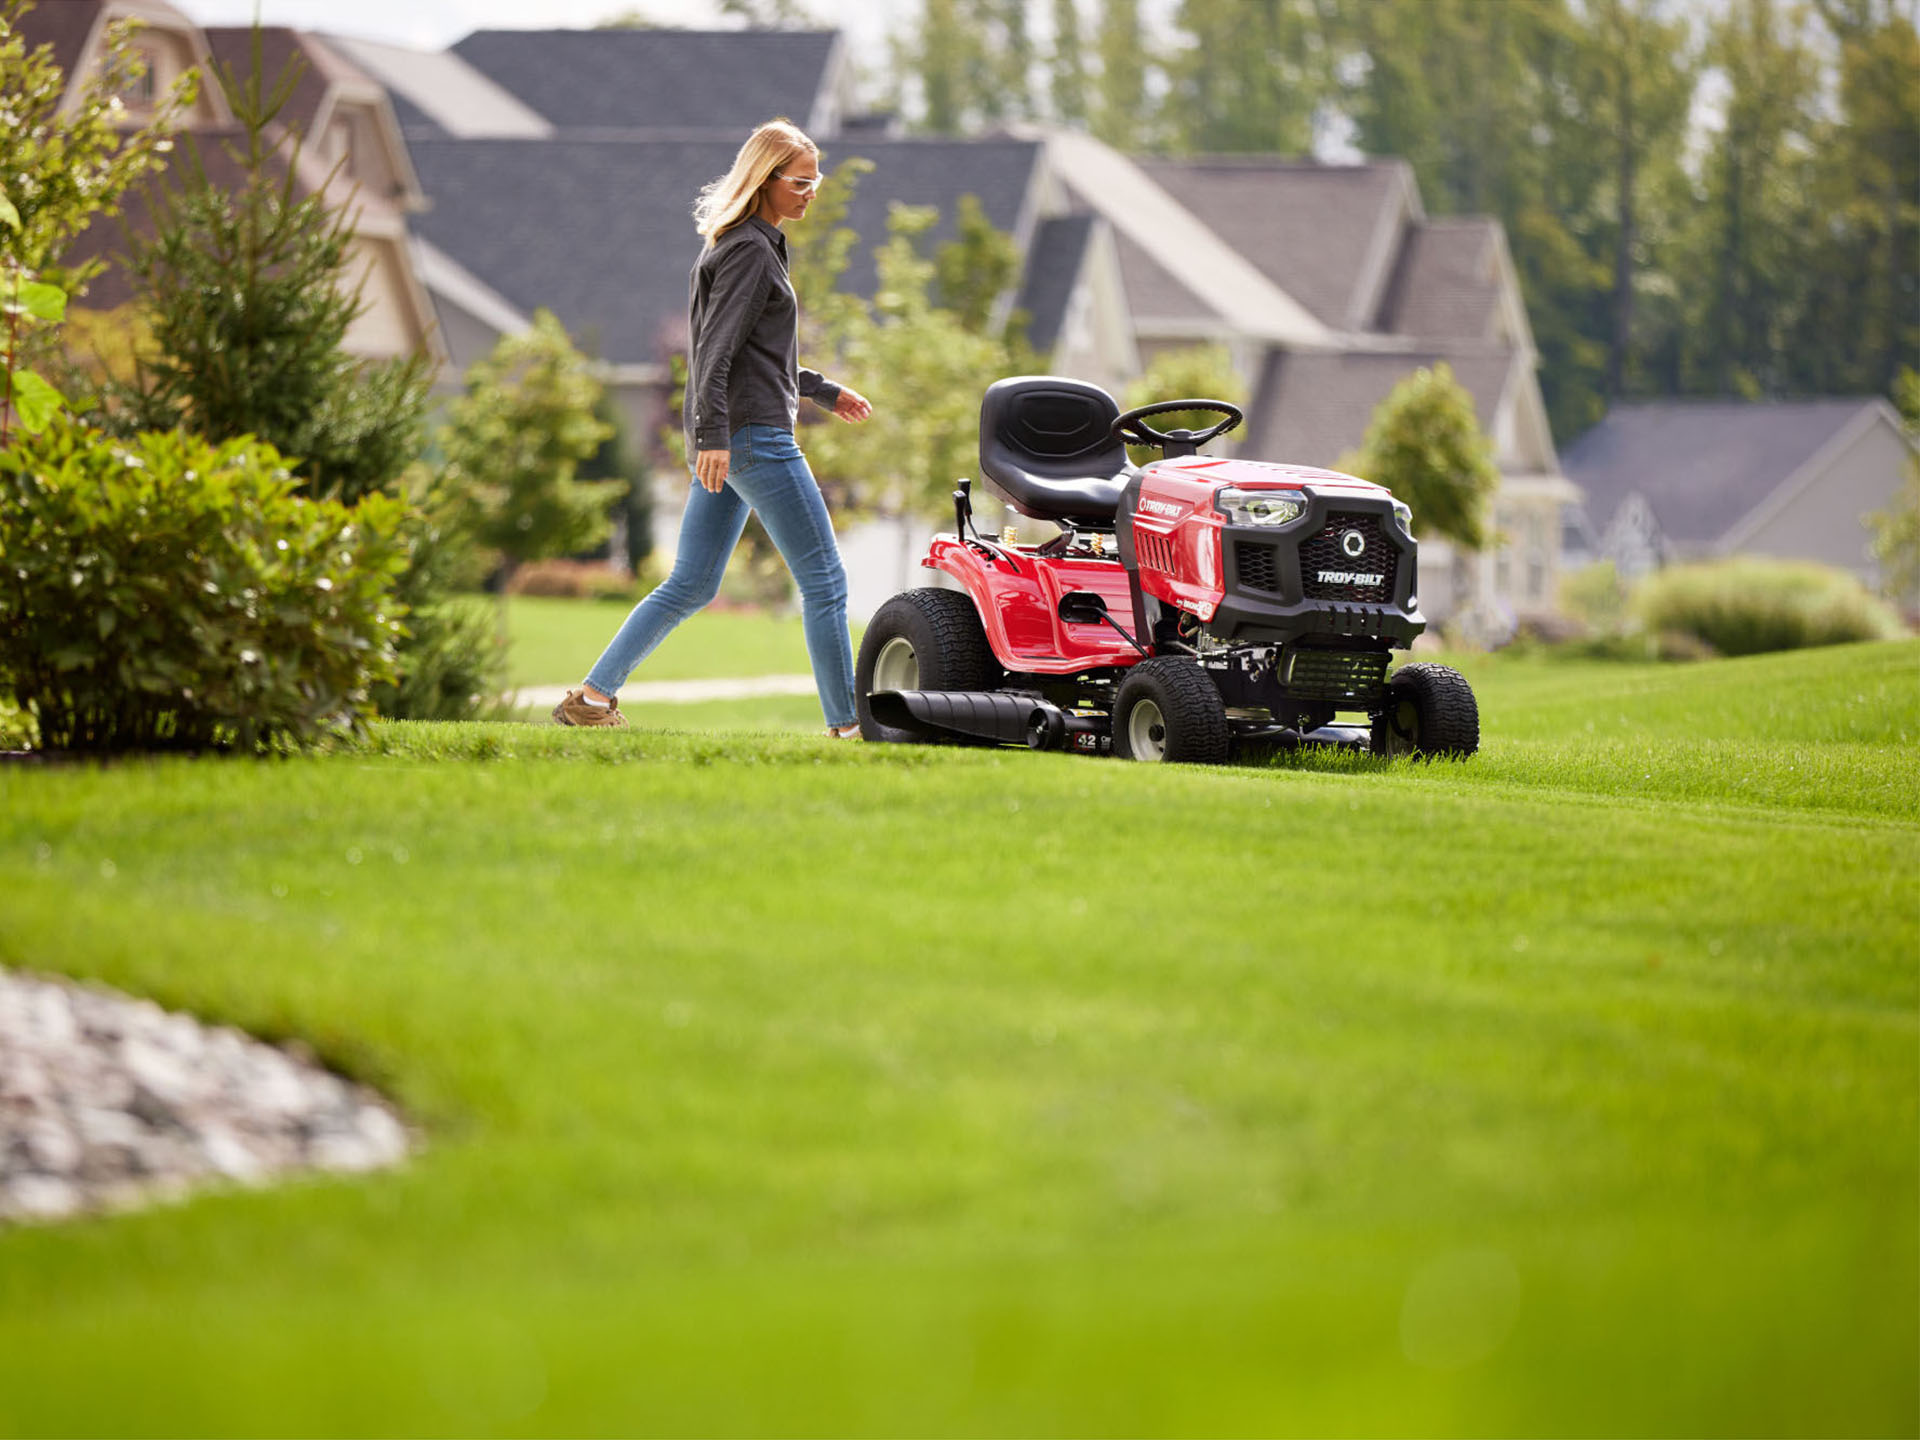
(1679, 480)
(353, 149)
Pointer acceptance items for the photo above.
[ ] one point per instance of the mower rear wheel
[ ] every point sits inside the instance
(1431, 714)
(921, 640)
(1168, 710)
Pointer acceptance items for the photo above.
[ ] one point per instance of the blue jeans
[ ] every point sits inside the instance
(766, 473)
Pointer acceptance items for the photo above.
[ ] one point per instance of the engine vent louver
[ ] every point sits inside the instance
(1155, 552)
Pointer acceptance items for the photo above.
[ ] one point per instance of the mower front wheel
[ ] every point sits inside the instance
(921, 640)
(1430, 714)
(1168, 710)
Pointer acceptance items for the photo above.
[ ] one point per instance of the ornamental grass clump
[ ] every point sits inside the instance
(160, 592)
(1747, 606)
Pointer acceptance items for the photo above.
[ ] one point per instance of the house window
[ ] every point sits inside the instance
(139, 91)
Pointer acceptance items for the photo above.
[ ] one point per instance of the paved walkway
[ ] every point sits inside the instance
(676, 692)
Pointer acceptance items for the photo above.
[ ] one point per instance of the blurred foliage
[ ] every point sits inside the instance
(247, 291)
(62, 167)
(1425, 445)
(1716, 199)
(1896, 529)
(1192, 372)
(617, 458)
(163, 592)
(1596, 595)
(64, 163)
(515, 441)
(1750, 605)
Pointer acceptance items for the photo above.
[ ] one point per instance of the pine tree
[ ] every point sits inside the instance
(248, 294)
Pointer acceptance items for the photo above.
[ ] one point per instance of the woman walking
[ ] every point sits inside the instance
(743, 392)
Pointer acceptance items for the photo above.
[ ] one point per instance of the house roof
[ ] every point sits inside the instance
(436, 93)
(232, 47)
(1320, 232)
(1311, 408)
(1229, 284)
(598, 229)
(1447, 283)
(727, 80)
(64, 27)
(1702, 465)
(1054, 261)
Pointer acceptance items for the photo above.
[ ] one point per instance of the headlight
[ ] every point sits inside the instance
(1403, 517)
(1259, 507)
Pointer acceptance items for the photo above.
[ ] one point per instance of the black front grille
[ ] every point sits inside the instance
(1336, 674)
(1326, 554)
(1254, 567)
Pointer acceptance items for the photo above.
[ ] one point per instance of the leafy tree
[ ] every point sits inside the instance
(62, 166)
(1638, 88)
(975, 268)
(1250, 79)
(1067, 66)
(617, 459)
(1862, 320)
(1121, 111)
(515, 441)
(1426, 446)
(247, 292)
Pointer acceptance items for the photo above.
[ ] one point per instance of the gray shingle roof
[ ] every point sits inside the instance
(1311, 408)
(1153, 292)
(1310, 228)
(600, 231)
(1701, 464)
(1446, 286)
(670, 79)
(1054, 260)
(64, 27)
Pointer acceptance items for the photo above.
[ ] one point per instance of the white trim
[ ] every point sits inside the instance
(441, 274)
(1216, 273)
(464, 102)
(1790, 489)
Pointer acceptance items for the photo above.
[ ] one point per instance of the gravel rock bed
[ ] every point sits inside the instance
(108, 1102)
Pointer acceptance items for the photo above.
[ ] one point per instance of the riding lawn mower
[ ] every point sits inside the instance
(1195, 609)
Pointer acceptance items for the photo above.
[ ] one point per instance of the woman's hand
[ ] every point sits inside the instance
(711, 467)
(852, 405)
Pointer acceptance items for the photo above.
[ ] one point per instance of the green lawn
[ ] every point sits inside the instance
(777, 1085)
(555, 642)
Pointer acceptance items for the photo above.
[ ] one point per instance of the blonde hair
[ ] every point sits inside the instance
(729, 200)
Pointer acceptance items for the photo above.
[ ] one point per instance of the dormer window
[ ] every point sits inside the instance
(138, 92)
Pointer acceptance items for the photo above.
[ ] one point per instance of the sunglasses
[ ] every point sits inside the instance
(805, 184)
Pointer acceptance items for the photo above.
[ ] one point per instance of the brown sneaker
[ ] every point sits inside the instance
(575, 709)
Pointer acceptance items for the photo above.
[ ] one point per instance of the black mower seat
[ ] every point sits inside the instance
(1045, 446)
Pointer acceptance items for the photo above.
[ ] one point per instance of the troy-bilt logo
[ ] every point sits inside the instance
(1161, 507)
(1348, 577)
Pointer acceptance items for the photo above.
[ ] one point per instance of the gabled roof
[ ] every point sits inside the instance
(1054, 261)
(1324, 234)
(1703, 465)
(1447, 283)
(436, 93)
(729, 80)
(1229, 284)
(1311, 408)
(599, 230)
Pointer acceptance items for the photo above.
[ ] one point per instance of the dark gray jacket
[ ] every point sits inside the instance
(742, 340)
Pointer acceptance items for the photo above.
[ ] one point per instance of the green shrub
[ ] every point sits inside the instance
(453, 663)
(1746, 606)
(160, 592)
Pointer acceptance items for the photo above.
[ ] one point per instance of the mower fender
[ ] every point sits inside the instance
(1018, 595)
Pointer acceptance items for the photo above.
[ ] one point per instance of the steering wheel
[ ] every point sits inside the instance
(1129, 426)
